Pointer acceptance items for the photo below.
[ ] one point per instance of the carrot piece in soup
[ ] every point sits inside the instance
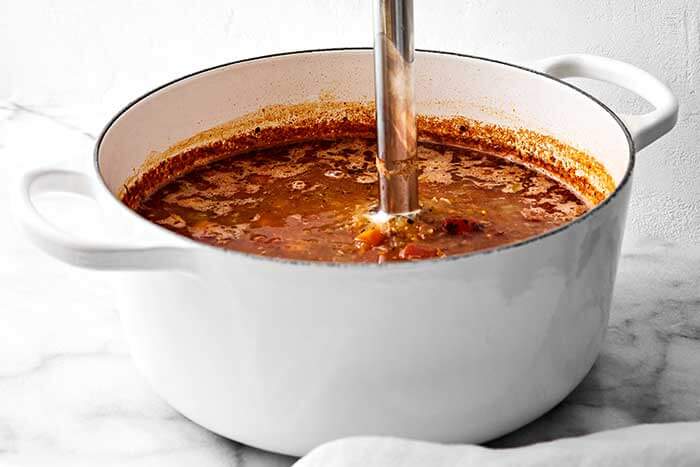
(371, 237)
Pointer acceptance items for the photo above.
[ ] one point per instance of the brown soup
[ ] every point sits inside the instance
(309, 200)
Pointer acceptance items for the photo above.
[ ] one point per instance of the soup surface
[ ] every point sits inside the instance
(310, 201)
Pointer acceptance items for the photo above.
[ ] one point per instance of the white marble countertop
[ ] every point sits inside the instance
(70, 395)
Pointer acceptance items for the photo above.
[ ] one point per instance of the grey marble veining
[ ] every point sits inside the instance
(70, 395)
(649, 367)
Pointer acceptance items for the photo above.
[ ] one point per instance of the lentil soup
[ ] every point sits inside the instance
(309, 200)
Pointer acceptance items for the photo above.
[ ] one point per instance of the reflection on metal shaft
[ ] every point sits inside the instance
(396, 119)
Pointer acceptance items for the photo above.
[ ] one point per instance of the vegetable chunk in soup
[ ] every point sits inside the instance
(310, 200)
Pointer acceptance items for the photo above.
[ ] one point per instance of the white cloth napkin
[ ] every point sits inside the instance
(672, 444)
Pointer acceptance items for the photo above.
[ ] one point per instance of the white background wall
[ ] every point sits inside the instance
(79, 61)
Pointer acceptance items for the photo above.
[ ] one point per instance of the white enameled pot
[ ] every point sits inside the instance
(284, 355)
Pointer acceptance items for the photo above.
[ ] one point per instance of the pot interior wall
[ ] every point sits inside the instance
(445, 85)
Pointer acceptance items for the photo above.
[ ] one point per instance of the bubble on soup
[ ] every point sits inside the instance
(334, 174)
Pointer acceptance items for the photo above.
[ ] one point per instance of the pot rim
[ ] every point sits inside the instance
(393, 264)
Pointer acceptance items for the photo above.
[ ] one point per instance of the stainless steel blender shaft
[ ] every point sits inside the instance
(396, 119)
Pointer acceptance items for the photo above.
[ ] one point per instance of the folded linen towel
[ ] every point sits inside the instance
(672, 444)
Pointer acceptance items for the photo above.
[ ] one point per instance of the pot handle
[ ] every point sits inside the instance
(646, 128)
(80, 252)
